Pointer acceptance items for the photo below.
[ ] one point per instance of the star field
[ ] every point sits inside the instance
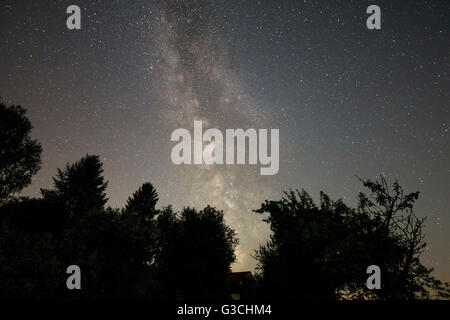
(347, 100)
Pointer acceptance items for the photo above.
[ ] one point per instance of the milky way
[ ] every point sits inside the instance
(194, 79)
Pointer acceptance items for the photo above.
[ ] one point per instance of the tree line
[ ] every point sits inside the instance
(316, 251)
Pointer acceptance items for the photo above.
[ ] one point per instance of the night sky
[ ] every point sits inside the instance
(347, 100)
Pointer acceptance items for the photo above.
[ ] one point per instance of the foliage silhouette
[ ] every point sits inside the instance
(141, 252)
(322, 252)
(112, 251)
(20, 156)
(33, 215)
(29, 265)
(134, 253)
(195, 253)
(80, 187)
(143, 201)
(399, 233)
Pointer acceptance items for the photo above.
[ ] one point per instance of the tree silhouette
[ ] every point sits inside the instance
(322, 252)
(300, 260)
(315, 252)
(398, 242)
(80, 187)
(19, 154)
(143, 201)
(196, 252)
(113, 251)
(33, 215)
(29, 265)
